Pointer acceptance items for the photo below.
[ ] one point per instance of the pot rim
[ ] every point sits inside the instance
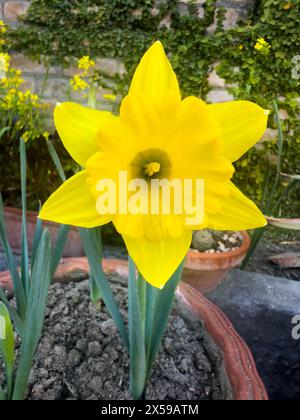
(239, 362)
(243, 249)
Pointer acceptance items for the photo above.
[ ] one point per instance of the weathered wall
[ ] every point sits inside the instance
(58, 82)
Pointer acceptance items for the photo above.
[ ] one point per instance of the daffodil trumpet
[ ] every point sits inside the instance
(158, 135)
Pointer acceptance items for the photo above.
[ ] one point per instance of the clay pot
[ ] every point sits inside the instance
(205, 271)
(239, 363)
(13, 219)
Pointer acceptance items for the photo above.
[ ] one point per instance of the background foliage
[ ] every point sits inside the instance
(59, 31)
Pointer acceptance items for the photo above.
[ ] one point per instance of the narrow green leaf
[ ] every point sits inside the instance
(280, 135)
(56, 161)
(91, 239)
(37, 301)
(24, 244)
(7, 346)
(2, 394)
(61, 241)
(18, 323)
(18, 286)
(138, 368)
(3, 131)
(38, 232)
(164, 300)
(96, 295)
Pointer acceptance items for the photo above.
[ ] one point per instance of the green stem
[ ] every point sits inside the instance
(92, 101)
(258, 234)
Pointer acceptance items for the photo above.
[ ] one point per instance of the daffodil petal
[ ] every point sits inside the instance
(155, 76)
(78, 128)
(73, 204)
(157, 261)
(238, 213)
(242, 125)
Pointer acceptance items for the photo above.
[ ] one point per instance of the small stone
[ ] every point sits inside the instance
(94, 349)
(74, 358)
(107, 327)
(82, 345)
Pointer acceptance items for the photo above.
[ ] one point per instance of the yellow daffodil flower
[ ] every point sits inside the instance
(158, 134)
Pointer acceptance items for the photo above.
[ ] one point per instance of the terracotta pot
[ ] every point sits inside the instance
(240, 366)
(13, 218)
(239, 363)
(205, 271)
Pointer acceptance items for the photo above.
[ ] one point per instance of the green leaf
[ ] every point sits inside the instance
(138, 367)
(56, 161)
(61, 241)
(37, 301)
(2, 395)
(7, 346)
(91, 239)
(3, 131)
(24, 244)
(163, 303)
(18, 286)
(38, 232)
(19, 324)
(291, 224)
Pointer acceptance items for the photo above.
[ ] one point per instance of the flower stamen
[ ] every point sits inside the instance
(152, 168)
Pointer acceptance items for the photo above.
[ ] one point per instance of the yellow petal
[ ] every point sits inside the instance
(238, 213)
(78, 129)
(73, 204)
(158, 261)
(242, 125)
(154, 76)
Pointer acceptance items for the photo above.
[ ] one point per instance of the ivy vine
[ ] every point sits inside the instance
(59, 31)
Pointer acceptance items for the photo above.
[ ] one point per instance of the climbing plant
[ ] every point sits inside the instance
(256, 58)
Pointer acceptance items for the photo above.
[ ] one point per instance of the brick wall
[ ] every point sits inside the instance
(34, 73)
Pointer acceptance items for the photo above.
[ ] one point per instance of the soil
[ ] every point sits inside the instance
(270, 246)
(81, 356)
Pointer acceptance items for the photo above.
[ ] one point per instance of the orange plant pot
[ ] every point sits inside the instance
(205, 271)
(13, 220)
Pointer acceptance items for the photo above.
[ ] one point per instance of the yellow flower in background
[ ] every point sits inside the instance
(78, 83)
(26, 136)
(110, 97)
(241, 47)
(158, 134)
(262, 46)
(46, 135)
(3, 28)
(85, 63)
(4, 63)
(288, 6)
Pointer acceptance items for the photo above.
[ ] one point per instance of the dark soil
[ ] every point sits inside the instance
(81, 356)
(270, 246)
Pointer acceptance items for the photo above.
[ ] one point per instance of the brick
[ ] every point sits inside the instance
(215, 80)
(20, 61)
(219, 95)
(14, 9)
